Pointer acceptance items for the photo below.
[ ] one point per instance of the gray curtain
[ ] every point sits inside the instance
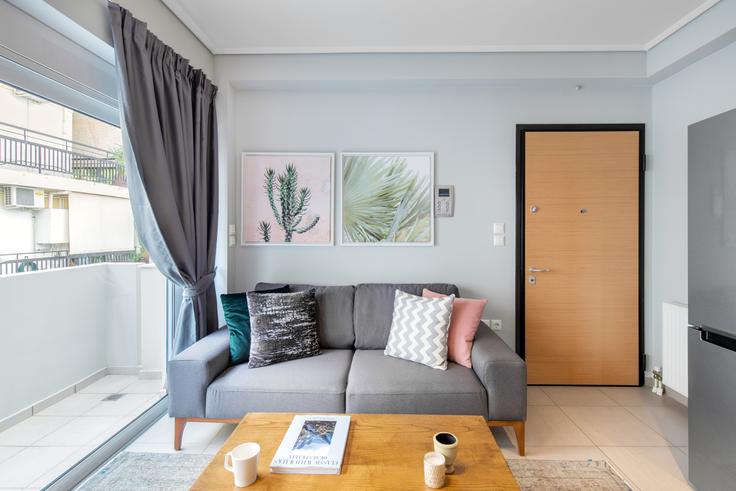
(170, 145)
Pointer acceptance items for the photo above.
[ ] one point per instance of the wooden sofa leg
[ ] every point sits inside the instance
(179, 424)
(519, 431)
(518, 427)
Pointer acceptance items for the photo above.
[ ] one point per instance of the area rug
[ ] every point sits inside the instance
(566, 475)
(134, 471)
(138, 471)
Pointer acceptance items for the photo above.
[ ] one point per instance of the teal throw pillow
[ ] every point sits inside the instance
(235, 308)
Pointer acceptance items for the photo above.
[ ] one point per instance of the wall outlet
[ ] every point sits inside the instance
(496, 325)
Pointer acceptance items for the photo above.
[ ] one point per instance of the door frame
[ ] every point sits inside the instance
(521, 130)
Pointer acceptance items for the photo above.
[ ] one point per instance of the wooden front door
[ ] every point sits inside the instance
(581, 256)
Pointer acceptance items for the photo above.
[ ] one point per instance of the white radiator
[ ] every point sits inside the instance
(674, 346)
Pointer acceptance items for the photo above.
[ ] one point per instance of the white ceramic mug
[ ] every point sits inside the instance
(243, 463)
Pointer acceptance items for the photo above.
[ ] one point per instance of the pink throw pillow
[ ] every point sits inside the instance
(466, 313)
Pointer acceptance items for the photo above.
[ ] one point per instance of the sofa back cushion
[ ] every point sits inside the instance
(334, 313)
(374, 307)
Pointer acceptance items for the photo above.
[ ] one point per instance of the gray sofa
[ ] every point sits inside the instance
(351, 374)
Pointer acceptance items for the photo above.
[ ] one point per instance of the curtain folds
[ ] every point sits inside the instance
(170, 145)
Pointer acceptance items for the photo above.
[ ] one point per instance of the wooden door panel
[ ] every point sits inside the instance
(582, 318)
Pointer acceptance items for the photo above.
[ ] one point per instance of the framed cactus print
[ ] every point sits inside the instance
(287, 199)
(387, 198)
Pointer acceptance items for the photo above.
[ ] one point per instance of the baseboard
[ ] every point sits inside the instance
(672, 394)
(675, 396)
(16, 418)
(42, 404)
(90, 379)
(124, 370)
(150, 374)
(53, 399)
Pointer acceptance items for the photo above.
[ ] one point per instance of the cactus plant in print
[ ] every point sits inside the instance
(264, 228)
(288, 203)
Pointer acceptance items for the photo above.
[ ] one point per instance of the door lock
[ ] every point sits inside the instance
(532, 279)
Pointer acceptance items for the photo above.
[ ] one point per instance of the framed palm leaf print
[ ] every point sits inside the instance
(387, 198)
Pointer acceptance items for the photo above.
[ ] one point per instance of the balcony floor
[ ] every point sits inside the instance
(38, 449)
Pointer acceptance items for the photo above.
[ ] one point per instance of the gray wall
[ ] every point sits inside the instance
(702, 90)
(472, 130)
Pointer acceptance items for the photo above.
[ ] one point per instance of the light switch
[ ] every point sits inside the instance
(231, 229)
(231, 241)
(499, 228)
(499, 240)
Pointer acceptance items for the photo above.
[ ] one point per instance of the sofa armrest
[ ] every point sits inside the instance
(503, 373)
(191, 372)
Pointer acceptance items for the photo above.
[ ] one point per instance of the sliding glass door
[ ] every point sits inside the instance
(85, 316)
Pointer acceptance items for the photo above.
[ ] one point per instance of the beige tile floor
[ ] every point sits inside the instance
(644, 437)
(38, 449)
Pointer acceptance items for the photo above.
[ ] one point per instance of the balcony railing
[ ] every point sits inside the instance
(24, 262)
(51, 154)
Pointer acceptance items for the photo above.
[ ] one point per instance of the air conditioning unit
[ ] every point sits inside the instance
(21, 197)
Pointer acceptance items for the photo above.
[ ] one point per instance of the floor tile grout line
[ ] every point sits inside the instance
(617, 404)
(664, 437)
(679, 478)
(628, 480)
(608, 459)
(577, 425)
(597, 388)
(33, 444)
(151, 397)
(12, 455)
(73, 418)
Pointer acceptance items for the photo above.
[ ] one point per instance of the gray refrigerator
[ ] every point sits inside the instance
(712, 302)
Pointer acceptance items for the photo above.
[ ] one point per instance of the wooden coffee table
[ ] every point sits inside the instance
(384, 451)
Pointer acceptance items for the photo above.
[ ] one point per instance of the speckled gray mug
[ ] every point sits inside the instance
(446, 444)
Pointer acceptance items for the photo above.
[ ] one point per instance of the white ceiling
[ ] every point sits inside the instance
(369, 26)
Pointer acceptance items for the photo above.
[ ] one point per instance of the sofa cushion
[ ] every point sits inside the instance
(381, 384)
(466, 314)
(315, 385)
(374, 306)
(419, 329)
(334, 313)
(237, 318)
(283, 327)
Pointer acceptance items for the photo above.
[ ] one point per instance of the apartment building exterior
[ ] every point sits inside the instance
(63, 194)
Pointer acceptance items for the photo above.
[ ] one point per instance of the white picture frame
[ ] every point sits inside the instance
(246, 221)
(429, 156)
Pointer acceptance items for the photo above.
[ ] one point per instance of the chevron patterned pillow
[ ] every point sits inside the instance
(419, 329)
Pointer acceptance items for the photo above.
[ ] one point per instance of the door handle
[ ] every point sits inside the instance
(539, 270)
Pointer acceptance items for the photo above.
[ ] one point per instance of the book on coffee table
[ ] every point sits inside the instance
(313, 444)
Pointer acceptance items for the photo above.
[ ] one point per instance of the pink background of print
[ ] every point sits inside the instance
(313, 171)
